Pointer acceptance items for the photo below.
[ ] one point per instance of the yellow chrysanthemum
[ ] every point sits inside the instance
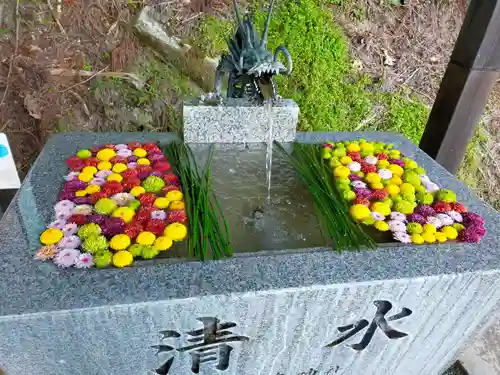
(417, 239)
(341, 172)
(137, 190)
(359, 211)
(140, 152)
(143, 161)
(429, 228)
(81, 193)
(381, 226)
(122, 259)
(163, 243)
(85, 177)
(174, 195)
(145, 238)
(175, 231)
(119, 242)
(90, 170)
(106, 154)
(91, 189)
(119, 168)
(179, 205)
(161, 202)
(450, 232)
(104, 166)
(125, 213)
(51, 236)
(115, 177)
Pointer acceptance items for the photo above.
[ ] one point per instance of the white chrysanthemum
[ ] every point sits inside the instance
(395, 215)
(402, 237)
(64, 205)
(83, 209)
(385, 174)
(456, 216)
(434, 221)
(377, 216)
(122, 199)
(431, 188)
(66, 257)
(354, 166)
(84, 260)
(445, 219)
(358, 184)
(372, 160)
(397, 226)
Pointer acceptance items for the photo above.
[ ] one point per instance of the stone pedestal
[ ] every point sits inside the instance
(238, 121)
(311, 311)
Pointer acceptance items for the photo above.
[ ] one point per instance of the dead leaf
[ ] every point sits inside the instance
(32, 106)
(388, 59)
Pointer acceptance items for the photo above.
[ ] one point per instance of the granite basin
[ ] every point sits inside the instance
(286, 308)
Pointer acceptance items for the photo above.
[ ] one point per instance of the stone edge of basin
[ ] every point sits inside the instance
(29, 286)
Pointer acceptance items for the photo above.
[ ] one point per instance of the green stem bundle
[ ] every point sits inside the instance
(331, 208)
(202, 208)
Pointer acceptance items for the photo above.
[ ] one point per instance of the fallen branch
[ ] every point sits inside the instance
(86, 80)
(55, 17)
(133, 78)
(7, 85)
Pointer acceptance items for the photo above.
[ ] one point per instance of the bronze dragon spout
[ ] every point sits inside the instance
(249, 65)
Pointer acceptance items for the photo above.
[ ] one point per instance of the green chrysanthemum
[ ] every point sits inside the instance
(149, 252)
(105, 206)
(95, 244)
(153, 184)
(136, 250)
(89, 230)
(134, 204)
(446, 196)
(103, 260)
(425, 198)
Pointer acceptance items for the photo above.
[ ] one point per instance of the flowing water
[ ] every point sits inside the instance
(268, 107)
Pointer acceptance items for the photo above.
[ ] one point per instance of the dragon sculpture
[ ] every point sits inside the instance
(249, 65)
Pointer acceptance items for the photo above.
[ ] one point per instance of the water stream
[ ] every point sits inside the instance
(268, 106)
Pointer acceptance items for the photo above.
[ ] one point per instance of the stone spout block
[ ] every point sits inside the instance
(237, 120)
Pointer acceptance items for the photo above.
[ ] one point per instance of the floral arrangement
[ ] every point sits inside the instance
(391, 192)
(119, 202)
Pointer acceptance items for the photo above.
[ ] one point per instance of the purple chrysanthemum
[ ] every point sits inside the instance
(66, 257)
(85, 260)
(66, 195)
(71, 176)
(157, 156)
(470, 234)
(362, 193)
(143, 174)
(156, 173)
(98, 181)
(70, 242)
(64, 205)
(425, 210)
(59, 224)
(132, 159)
(124, 153)
(63, 215)
(74, 185)
(354, 177)
(113, 226)
(70, 229)
(103, 174)
(97, 219)
(416, 218)
(472, 219)
(81, 200)
(358, 184)
(398, 162)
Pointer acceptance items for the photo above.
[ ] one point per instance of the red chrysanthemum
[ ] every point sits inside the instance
(441, 207)
(129, 173)
(75, 163)
(382, 156)
(148, 146)
(162, 166)
(459, 207)
(368, 168)
(134, 145)
(129, 183)
(93, 198)
(155, 226)
(118, 159)
(177, 216)
(363, 201)
(110, 146)
(147, 199)
(133, 229)
(327, 145)
(355, 156)
(171, 178)
(112, 187)
(77, 219)
(142, 216)
(91, 162)
(168, 188)
(95, 149)
(379, 194)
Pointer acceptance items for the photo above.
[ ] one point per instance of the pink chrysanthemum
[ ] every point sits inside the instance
(363, 193)
(70, 242)
(46, 252)
(84, 260)
(103, 174)
(132, 165)
(471, 234)
(121, 146)
(398, 216)
(472, 219)
(66, 257)
(397, 226)
(70, 229)
(402, 237)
